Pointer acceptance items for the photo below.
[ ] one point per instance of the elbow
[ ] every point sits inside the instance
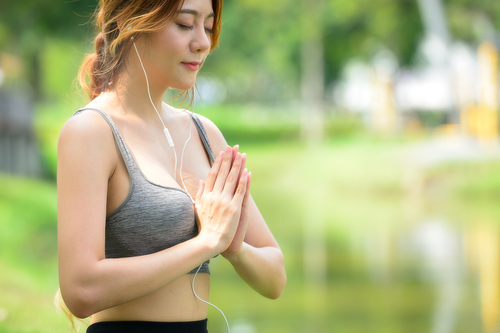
(279, 281)
(79, 301)
(274, 294)
(278, 287)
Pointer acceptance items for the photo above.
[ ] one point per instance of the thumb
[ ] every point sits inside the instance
(201, 187)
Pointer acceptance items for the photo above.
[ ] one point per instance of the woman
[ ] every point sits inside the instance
(129, 243)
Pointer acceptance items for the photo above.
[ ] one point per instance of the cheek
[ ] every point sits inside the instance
(171, 40)
(165, 46)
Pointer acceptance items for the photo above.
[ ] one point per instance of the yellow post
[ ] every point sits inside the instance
(487, 111)
(384, 111)
(468, 120)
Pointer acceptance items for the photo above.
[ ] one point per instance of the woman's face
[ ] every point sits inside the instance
(175, 54)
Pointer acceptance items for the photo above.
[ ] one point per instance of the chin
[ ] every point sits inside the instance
(184, 86)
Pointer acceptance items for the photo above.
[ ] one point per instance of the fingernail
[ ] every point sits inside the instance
(250, 173)
(244, 155)
(246, 170)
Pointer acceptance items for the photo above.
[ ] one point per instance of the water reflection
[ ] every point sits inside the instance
(484, 248)
(458, 263)
(437, 247)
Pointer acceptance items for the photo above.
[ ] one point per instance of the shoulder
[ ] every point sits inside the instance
(215, 136)
(87, 126)
(87, 137)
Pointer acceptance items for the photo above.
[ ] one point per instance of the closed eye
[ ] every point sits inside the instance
(210, 31)
(185, 27)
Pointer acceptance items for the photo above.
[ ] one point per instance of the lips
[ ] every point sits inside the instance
(193, 65)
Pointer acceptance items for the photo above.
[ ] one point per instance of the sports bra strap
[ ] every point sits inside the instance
(127, 156)
(126, 153)
(204, 139)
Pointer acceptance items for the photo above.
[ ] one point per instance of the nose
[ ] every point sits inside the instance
(201, 41)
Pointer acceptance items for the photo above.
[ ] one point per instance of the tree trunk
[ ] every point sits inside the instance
(35, 74)
(312, 72)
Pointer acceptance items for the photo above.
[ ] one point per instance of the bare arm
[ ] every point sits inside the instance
(254, 252)
(87, 158)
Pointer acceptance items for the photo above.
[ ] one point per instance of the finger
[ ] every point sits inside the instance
(246, 198)
(197, 219)
(243, 162)
(247, 192)
(201, 187)
(235, 151)
(249, 181)
(246, 201)
(214, 170)
(241, 189)
(233, 177)
(223, 170)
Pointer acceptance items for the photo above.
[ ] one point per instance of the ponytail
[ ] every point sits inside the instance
(99, 69)
(90, 67)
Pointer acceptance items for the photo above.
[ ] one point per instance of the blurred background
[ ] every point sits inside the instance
(371, 128)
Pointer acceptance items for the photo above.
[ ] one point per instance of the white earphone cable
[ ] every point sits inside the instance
(198, 297)
(169, 138)
(182, 157)
(147, 82)
(165, 129)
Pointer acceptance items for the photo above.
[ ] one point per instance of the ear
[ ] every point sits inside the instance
(119, 23)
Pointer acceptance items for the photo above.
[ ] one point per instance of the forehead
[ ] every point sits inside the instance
(201, 8)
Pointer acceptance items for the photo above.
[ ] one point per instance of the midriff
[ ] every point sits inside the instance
(174, 302)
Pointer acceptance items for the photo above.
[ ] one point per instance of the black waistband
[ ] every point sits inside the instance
(199, 326)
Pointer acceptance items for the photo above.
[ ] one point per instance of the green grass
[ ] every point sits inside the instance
(28, 250)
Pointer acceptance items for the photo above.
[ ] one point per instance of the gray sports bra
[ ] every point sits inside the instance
(152, 217)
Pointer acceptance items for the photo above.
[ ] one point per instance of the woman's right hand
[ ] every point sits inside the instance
(219, 200)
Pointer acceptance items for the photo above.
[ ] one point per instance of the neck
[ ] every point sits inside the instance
(137, 93)
(134, 97)
(133, 92)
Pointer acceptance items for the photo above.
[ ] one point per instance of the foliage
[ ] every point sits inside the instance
(361, 28)
(41, 20)
(259, 54)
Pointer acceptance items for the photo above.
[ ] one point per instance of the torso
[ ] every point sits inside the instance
(174, 302)
(154, 157)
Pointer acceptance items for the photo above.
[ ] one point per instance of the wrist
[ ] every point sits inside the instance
(236, 257)
(209, 244)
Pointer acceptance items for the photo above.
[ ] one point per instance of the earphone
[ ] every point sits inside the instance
(171, 144)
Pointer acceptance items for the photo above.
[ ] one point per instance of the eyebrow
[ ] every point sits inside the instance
(194, 12)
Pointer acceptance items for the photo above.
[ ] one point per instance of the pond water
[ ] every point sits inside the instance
(364, 253)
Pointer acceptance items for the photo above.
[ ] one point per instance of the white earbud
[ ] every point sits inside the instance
(132, 37)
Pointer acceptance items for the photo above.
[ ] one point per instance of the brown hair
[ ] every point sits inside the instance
(112, 44)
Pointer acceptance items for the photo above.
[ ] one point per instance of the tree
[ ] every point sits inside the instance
(26, 25)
